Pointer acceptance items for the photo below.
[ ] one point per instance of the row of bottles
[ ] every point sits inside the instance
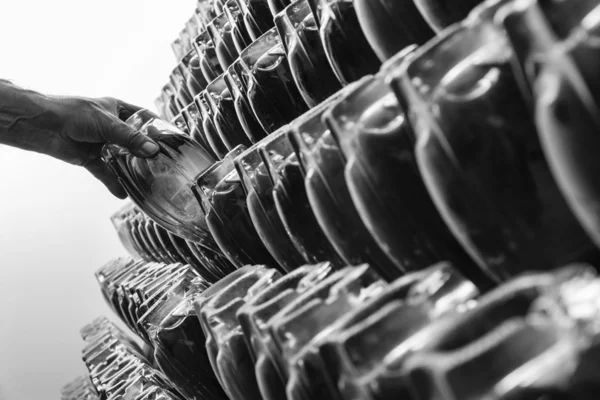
(311, 135)
(446, 153)
(343, 334)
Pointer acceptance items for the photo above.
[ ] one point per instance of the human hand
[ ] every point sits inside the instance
(72, 129)
(85, 126)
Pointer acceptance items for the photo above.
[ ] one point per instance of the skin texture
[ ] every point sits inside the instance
(71, 129)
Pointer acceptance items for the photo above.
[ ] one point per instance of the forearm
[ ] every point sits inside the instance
(27, 118)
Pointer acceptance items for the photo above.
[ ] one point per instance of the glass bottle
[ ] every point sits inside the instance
(291, 201)
(522, 326)
(219, 192)
(194, 78)
(161, 107)
(443, 13)
(558, 60)
(241, 36)
(346, 46)
(160, 186)
(385, 184)
(225, 118)
(205, 12)
(221, 33)
(193, 119)
(237, 87)
(257, 17)
(208, 125)
(305, 53)
(170, 102)
(233, 362)
(277, 6)
(182, 95)
(323, 166)
(391, 25)
(180, 123)
(261, 207)
(178, 49)
(121, 225)
(218, 6)
(271, 91)
(207, 56)
(478, 151)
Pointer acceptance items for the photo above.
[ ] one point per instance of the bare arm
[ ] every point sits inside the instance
(72, 129)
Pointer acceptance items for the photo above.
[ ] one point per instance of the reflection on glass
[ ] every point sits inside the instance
(237, 87)
(346, 46)
(208, 126)
(160, 186)
(271, 91)
(261, 207)
(391, 25)
(220, 100)
(480, 155)
(241, 36)
(221, 33)
(291, 201)
(207, 56)
(323, 165)
(309, 65)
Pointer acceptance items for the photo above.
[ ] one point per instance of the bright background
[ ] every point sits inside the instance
(54, 218)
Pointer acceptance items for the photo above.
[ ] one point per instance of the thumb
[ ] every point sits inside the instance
(124, 135)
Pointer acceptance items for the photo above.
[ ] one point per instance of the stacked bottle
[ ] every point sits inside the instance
(316, 133)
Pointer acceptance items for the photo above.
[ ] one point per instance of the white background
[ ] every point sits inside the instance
(54, 218)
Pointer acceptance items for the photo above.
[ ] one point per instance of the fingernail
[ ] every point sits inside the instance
(149, 149)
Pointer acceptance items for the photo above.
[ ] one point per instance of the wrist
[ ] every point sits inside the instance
(27, 118)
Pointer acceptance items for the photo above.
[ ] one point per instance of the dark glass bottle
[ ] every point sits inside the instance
(277, 6)
(566, 96)
(291, 201)
(207, 56)
(241, 36)
(391, 25)
(442, 13)
(257, 17)
(237, 87)
(346, 46)
(180, 123)
(233, 362)
(225, 118)
(271, 91)
(305, 53)
(221, 33)
(212, 135)
(218, 6)
(193, 118)
(480, 155)
(182, 94)
(194, 78)
(261, 207)
(385, 184)
(170, 101)
(323, 166)
(220, 193)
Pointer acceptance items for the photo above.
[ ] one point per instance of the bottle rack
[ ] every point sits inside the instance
(388, 204)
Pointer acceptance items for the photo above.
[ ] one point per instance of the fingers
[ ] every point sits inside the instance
(99, 169)
(121, 109)
(126, 110)
(138, 144)
(121, 133)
